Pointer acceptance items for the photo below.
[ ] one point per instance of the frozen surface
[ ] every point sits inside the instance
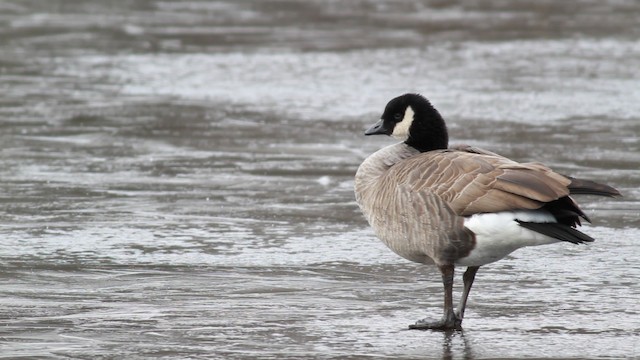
(176, 177)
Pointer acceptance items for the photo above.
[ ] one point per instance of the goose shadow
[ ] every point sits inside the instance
(455, 345)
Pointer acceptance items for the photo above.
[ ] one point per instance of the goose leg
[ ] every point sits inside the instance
(467, 278)
(449, 320)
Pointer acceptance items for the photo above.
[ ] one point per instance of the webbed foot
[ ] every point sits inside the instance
(451, 322)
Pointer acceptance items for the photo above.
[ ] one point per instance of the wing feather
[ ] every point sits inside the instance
(472, 181)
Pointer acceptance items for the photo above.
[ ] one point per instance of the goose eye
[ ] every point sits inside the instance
(397, 116)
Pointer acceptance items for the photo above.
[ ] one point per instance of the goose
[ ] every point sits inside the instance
(461, 205)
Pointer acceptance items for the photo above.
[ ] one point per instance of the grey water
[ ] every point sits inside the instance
(176, 176)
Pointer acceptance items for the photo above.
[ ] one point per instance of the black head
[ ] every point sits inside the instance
(412, 119)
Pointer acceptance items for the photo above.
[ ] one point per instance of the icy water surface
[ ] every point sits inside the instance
(176, 177)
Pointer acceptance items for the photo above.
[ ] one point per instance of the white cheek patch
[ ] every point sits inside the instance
(401, 130)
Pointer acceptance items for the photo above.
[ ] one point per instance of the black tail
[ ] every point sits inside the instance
(588, 187)
(558, 231)
(568, 213)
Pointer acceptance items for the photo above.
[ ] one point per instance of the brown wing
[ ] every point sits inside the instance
(472, 181)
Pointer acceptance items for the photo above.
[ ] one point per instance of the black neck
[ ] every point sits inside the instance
(430, 133)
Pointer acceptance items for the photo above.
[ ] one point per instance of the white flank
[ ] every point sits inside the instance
(401, 130)
(498, 235)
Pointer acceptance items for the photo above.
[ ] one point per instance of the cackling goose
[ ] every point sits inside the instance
(435, 204)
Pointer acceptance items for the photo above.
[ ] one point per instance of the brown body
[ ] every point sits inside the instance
(416, 202)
